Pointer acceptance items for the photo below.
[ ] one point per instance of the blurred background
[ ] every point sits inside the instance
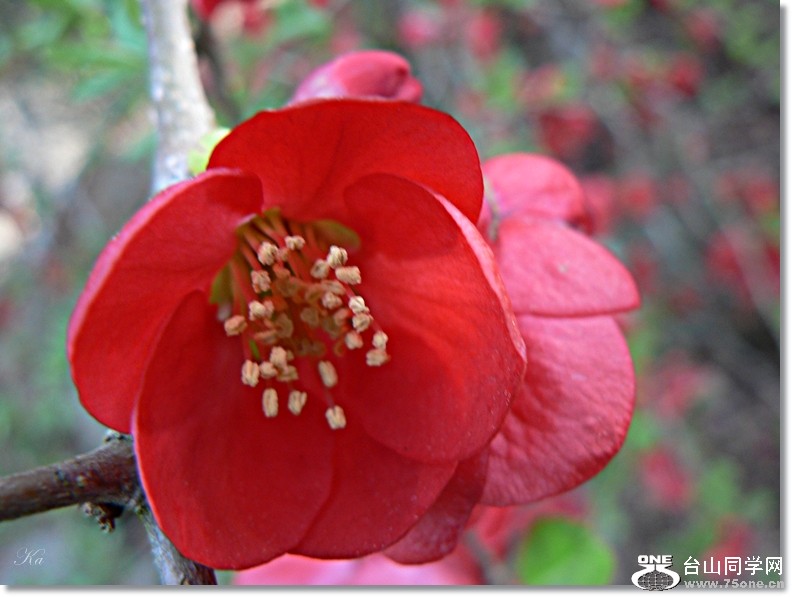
(667, 110)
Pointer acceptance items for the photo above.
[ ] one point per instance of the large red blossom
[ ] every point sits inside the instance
(309, 342)
(572, 413)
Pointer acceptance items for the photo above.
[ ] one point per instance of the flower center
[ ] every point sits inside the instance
(290, 294)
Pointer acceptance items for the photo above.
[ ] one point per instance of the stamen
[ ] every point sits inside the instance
(279, 357)
(362, 321)
(268, 337)
(260, 280)
(331, 301)
(267, 253)
(269, 403)
(353, 340)
(320, 269)
(335, 417)
(376, 357)
(268, 370)
(337, 256)
(348, 275)
(284, 326)
(281, 272)
(234, 325)
(294, 243)
(310, 315)
(328, 374)
(297, 401)
(250, 373)
(380, 340)
(257, 310)
(358, 305)
(334, 286)
(289, 373)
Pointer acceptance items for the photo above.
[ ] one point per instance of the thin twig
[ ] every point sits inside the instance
(183, 113)
(107, 475)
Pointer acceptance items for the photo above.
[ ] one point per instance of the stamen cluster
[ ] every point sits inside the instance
(294, 298)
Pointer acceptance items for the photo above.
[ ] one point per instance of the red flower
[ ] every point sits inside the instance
(328, 257)
(576, 402)
(369, 73)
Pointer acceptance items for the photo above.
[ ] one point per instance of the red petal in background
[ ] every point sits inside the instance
(230, 487)
(550, 269)
(175, 244)
(572, 415)
(306, 155)
(529, 184)
(454, 364)
(437, 532)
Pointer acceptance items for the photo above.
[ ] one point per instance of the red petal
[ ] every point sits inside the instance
(175, 244)
(305, 155)
(367, 73)
(377, 496)
(573, 414)
(455, 362)
(528, 184)
(549, 269)
(437, 533)
(228, 486)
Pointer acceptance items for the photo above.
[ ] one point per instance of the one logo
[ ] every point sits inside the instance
(655, 576)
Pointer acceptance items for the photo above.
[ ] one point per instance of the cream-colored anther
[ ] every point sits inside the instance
(279, 357)
(336, 418)
(376, 357)
(310, 315)
(337, 256)
(267, 253)
(294, 243)
(269, 403)
(260, 280)
(334, 286)
(284, 326)
(297, 401)
(380, 340)
(320, 269)
(331, 301)
(250, 373)
(361, 322)
(268, 370)
(348, 275)
(234, 325)
(353, 340)
(358, 305)
(328, 374)
(259, 310)
(288, 373)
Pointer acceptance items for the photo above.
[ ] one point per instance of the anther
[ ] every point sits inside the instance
(376, 357)
(320, 269)
(267, 253)
(310, 315)
(348, 275)
(331, 301)
(250, 373)
(284, 326)
(297, 401)
(353, 340)
(334, 286)
(268, 370)
(234, 325)
(340, 316)
(260, 280)
(269, 403)
(258, 310)
(328, 374)
(294, 243)
(279, 357)
(336, 257)
(380, 340)
(336, 418)
(358, 305)
(361, 322)
(281, 272)
(289, 373)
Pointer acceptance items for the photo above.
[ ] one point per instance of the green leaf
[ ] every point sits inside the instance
(563, 552)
